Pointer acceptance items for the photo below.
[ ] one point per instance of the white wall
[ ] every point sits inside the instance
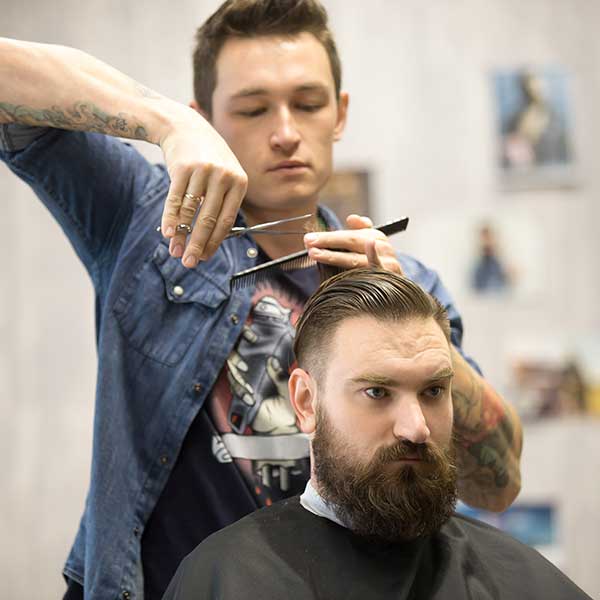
(422, 119)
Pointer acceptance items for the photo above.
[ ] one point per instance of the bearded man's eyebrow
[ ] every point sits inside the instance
(375, 380)
(383, 381)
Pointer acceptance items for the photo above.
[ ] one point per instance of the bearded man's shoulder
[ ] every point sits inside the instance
(461, 532)
(284, 519)
(246, 559)
(502, 561)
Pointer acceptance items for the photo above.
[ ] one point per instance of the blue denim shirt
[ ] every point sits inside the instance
(160, 352)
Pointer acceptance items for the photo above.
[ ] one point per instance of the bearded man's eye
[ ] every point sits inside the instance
(376, 393)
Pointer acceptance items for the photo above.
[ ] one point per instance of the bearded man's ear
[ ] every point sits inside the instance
(303, 396)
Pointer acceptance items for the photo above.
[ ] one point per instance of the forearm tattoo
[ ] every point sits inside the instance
(488, 443)
(485, 432)
(82, 116)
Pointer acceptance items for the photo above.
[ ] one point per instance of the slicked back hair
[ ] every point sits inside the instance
(383, 295)
(251, 19)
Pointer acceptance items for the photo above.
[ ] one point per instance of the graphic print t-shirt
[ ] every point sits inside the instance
(249, 407)
(244, 450)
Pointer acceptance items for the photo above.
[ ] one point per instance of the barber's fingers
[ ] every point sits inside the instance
(373, 258)
(200, 164)
(344, 239)
(170, 216)
(354, 221)
(225, 221)
(189, 207)
(181, 205)
(215, 219)
(377, 254)
(344, 260)
(205, 223)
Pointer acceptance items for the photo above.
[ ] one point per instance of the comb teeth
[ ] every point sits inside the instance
(244, 279)
(261, 273)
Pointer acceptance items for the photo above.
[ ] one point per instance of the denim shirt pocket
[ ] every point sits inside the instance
(166, 306)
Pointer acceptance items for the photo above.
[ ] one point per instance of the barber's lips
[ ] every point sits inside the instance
(289, 167)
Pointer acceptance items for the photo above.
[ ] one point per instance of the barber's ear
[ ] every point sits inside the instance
(193, 104)
(303, 396)
(342, 115)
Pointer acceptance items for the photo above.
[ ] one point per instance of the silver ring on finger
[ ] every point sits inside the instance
(183, 227)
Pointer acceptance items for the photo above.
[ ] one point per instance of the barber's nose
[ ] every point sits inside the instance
(410, 423)
(285, 136)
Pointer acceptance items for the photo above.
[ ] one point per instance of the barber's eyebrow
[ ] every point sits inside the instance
(383, 381)
(251, 92)
(444, 373)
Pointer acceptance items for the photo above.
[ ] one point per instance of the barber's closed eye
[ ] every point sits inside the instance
(310, 107)
(251, 113)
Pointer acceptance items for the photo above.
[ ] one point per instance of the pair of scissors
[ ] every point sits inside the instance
(266, 227)
(260, 228)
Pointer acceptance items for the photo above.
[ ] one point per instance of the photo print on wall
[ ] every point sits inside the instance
(534, 129)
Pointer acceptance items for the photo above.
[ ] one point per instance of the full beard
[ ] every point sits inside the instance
(385, 499)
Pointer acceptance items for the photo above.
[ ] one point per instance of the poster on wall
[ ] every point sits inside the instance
(486, 256)
(490, 271)
(543, 388)
(553, 376)
(534, 129)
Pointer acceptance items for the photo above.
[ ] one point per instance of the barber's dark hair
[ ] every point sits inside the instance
(383, 295)
(253, 18)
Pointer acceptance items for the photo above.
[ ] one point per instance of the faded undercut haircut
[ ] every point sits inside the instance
(383, 295)
(251, 19)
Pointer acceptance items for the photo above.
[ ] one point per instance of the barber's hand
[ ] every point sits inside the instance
(364, 246)
(208, 185)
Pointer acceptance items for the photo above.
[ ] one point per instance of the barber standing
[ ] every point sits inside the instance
(193, 428)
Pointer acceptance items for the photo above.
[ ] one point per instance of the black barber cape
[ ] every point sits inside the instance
(286, 552)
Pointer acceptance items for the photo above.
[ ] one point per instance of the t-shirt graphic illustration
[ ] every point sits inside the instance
(250, 406)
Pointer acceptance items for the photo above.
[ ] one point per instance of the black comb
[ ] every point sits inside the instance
(300, 260)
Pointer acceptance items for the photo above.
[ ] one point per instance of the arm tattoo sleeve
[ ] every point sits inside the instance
(82, 116)
(488, 440)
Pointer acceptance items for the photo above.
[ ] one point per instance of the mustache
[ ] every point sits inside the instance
(426, 452)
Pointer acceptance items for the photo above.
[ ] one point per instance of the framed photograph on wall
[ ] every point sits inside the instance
(534, 129)
(487, 255)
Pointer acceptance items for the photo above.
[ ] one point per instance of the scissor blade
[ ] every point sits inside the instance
(274, 223)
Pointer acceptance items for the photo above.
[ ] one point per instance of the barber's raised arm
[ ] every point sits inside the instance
(56, 86)
(489, 440)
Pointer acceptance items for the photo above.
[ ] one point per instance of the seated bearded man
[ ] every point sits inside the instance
(373, 392)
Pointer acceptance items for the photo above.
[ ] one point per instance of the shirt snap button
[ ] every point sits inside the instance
(178, 290)
(235, 319)
(164, 460)
(252, 253)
